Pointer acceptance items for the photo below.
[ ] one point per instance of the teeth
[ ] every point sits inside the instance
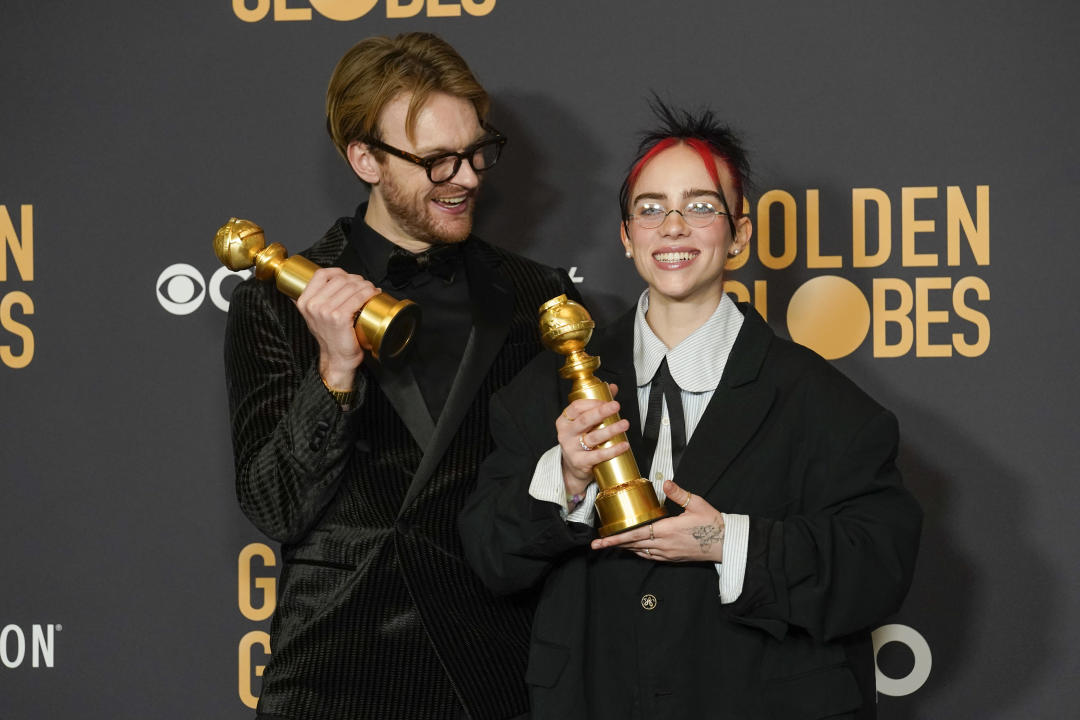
(451, 201)
(670, 257)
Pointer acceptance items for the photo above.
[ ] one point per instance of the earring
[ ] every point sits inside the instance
(733, 253)
(629, 254)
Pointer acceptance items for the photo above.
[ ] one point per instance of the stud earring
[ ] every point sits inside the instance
(733, 253)
(629, 254)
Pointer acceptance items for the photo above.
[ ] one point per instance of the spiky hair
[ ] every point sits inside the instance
(702, 132)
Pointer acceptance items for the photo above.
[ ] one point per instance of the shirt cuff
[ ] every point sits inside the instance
(547, 485)
(733, 570)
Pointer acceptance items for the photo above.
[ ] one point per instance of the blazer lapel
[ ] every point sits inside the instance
(736, 411)
(399, 385)
(492, 299)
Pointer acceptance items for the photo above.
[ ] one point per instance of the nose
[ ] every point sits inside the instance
(676, 227)
(465, 176)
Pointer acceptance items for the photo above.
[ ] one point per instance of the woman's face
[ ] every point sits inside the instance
(682, 263)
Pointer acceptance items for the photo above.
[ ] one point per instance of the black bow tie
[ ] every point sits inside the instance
(439, 261)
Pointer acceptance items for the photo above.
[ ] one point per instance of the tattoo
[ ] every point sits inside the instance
(708, 535)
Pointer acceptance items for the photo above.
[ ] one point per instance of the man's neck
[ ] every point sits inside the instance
(378, 218)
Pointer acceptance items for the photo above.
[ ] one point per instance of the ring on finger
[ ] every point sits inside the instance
(648, 552)
(570, 419)
(581, 442)
(688, 496)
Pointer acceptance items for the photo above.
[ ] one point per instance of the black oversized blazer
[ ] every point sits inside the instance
(364, 504)
(787, 440)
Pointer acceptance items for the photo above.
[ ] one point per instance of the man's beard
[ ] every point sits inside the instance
(415, 216)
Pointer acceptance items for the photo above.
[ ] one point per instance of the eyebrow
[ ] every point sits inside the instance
(687, 194)
(434, 152)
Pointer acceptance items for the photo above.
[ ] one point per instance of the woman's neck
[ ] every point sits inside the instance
(675, 320)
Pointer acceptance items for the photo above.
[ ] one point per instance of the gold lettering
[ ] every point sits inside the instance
(9, 323)
(398, 9)
(343, 10)
(284, 13)
(478, 7)
(267, 585)
(925, 317)
(859, 198)
(909, 226)
(247, 669)
(976, 318)
(240, 9)
(22, 252)
(899, 315)
(777, 262)
(437, 8)
(976, 232)
(814, 258)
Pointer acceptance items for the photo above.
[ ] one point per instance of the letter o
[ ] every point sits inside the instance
(215, 285)
(896, 687)
(343, 10)
(20, 643)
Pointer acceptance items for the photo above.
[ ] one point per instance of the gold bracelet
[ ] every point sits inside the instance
(343, 398)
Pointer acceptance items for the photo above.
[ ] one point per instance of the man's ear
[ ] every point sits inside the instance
(363, 163)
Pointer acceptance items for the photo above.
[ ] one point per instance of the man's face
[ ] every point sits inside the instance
(415, 207)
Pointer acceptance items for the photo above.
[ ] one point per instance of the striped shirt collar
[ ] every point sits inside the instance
(697, 363)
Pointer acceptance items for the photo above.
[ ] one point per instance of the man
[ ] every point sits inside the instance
(789, 535)
(359, 468)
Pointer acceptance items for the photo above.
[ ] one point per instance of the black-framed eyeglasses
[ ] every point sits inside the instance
(440, 168)
(697, 213)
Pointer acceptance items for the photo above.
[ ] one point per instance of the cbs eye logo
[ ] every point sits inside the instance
(181, 288)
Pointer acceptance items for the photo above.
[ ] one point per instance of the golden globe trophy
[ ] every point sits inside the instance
(626, 500)
(384, 325)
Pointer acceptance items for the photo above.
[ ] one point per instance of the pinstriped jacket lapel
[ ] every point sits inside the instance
(492, 302)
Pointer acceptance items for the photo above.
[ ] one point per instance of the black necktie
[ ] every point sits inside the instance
(438, 261)
(664, 386)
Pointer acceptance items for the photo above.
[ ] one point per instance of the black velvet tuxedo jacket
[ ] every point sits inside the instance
(787, 440)
(378, 614)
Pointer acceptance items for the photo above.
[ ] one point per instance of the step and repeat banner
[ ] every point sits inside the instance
(916, 184)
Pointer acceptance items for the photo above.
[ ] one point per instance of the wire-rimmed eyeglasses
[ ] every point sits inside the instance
(481, 156)
(697, 213)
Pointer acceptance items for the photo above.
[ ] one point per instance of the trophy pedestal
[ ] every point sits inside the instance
(626, 506)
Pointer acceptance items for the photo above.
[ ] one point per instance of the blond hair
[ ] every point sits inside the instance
(374, 71)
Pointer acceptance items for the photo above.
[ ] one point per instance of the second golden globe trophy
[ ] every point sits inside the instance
(384, 325)
(626, 500)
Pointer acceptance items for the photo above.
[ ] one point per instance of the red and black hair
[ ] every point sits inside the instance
(704, 134)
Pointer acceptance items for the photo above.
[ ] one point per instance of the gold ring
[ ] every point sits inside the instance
(569, 419)
(688, 496)
(581, 442)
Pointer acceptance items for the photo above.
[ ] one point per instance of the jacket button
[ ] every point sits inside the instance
(648, 601)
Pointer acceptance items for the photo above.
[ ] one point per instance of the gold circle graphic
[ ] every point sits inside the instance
(829, 315)
(344, 10)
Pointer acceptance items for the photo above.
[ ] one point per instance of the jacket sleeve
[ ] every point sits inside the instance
(291, 440)
(843, 561)
(511, 539)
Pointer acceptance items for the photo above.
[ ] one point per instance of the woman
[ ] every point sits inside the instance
(789, 536)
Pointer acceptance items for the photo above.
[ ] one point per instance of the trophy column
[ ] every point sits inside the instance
(384, 325)
(626, 500)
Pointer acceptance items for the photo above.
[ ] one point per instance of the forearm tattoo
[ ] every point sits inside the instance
(707, 535)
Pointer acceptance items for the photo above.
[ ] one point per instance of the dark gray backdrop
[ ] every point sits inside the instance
(132, 130)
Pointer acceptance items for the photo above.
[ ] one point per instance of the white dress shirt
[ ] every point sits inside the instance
(696, 364)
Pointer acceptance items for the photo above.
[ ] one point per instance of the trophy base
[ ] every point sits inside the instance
(389, 325)
(627, 506)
